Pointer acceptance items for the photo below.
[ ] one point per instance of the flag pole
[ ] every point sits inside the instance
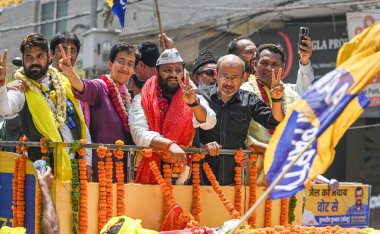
(271, 187)
(159, 17)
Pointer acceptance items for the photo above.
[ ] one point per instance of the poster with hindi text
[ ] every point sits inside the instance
(347, 207)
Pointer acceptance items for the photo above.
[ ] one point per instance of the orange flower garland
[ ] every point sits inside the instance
(215, 185)
(166, 190)
(14, 191)
(252, 188)
(102, 208)
(43, 147)
(19, 188)
(109, 184)
(284, 211)
(196, 204)
(239, 155)
(268, 212)
(119, 154)
(83, 209)
(38, 210)
(39, 214)
(168, 180)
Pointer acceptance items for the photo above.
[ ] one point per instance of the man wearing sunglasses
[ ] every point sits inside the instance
(204, 69)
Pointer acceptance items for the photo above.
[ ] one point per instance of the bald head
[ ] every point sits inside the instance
(230, 60)
(230, 76)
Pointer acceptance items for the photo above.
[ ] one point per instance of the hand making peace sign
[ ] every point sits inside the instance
(277, 88)
(65, 62)
(188, 89)
(3, 66)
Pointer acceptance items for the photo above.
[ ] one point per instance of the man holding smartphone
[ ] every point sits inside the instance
(271, 57)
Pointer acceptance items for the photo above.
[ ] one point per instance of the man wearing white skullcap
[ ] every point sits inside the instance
(165, 114)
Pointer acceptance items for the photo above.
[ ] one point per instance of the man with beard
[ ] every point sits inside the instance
(247, 51)
(48, 108)
(165, 114)
(234, 109)
(359, 206)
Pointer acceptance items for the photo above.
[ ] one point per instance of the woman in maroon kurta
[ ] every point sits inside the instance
(107, 96)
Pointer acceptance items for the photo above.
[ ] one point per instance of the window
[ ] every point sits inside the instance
(50, 11)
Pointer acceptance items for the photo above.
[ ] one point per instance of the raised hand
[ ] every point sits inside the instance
(277, 88)
(166, 42)
(45, 181)
(188, 89)
(305, 51)
(3, 66)
(65, 62)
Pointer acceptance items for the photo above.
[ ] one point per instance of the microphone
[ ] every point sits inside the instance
(41, 166)
(332, 184)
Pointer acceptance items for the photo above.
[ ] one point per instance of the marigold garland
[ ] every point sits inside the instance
(169, 200)
(119, 154)
(18, 184)
(252, 188)
(196, 203)
(39, 213)
(39, 225)
(215, 185)
(109, 186)
(14, 191)
(284, 211)
(268, 212)
(287, 229)
(168, 180)
(83, 208)
(239, 155)
(102, 203)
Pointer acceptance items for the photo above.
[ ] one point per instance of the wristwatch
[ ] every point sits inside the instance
(196, 103)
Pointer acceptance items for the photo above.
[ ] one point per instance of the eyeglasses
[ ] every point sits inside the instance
(126, 64)
(208, 72)
(73, 51)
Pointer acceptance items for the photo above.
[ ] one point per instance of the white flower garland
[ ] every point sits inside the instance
(255, 88)
(127, 105)
(60, 113)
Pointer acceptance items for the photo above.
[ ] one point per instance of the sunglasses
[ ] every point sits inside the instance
(208, 72)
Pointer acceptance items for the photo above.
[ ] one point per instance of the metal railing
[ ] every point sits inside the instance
(130, 149)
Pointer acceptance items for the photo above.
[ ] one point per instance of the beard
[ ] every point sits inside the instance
(35, 75)
(164, 85)
(250, 68)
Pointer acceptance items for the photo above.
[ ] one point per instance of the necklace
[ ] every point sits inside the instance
(117, 101)
(60, 113)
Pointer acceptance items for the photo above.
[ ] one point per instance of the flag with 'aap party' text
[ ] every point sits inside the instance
(118, 8)
(325, 111)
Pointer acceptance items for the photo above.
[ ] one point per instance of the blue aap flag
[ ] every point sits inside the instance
(325, 111)
(118, 8)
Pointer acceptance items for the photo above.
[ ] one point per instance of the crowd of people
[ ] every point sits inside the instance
(150, 99)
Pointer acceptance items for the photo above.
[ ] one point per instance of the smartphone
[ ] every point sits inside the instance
(304, 31)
